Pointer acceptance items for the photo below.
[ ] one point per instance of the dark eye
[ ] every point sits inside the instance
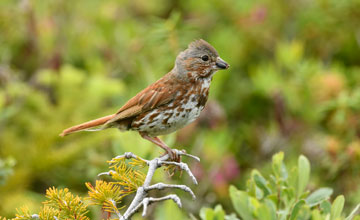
(205, 58)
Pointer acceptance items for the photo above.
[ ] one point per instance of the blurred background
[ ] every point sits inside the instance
(293, 86)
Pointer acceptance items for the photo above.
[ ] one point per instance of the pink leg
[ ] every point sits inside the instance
(159, 143)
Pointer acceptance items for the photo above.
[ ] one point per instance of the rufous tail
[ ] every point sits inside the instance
(87, 125)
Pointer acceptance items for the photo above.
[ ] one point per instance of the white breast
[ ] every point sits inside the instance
(168, 120)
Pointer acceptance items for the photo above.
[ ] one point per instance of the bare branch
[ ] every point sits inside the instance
(161, 186)
(148, 201)
(141, 199)
(183, 153)
(182, 166)
(106, 173)
(129, 155)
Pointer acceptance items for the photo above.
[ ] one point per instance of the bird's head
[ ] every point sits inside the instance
(199, 60)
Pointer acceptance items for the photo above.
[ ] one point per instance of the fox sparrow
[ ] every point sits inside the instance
(170, 103)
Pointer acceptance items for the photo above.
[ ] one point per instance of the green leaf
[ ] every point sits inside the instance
(337, 207)
(293, 178)
(206, 214)
(272, 208)
(261, 182)
(315, 215)
(263, 212)
(303, 174)
(304, 213)
(352, 214)
(266, 211)
(278, 166)
(296, 209)
(277, 161)
(251, 188)
(282, 214)
(212, 214)
(288, 193)
(219, 213)
(273, 197)
(231, 217)
(325, 207)
(318, 196)
(240, 201)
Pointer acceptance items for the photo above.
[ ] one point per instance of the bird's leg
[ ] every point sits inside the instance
(174, 156)
(161, 144)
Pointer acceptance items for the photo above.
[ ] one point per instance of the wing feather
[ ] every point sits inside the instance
(146, 100)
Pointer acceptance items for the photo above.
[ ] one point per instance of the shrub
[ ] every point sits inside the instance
(283, 195)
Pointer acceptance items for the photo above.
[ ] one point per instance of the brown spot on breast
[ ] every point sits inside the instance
(185, 99)
(198, 89)
(202, 100)
(153, 116)
(165, 121)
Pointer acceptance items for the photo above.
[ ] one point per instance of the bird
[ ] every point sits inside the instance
(170, 103)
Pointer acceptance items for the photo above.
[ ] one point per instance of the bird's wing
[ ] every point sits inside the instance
(153, 96)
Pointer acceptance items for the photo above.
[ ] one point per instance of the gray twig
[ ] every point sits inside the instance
(149, 200)
(182, 166)
(161, 186)
(129, 155)
(141, 199)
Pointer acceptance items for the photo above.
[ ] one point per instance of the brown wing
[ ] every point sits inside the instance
(159, 93)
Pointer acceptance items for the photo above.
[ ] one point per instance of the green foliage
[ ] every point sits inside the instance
(69, 206)
(106, 195)
(24, 213)
(127, 178)
(216, 214)
(208, 214)
(6, 169)
(282, 196)
(294, 81)
(60, 204)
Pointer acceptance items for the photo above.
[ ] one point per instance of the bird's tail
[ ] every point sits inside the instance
(87, 125)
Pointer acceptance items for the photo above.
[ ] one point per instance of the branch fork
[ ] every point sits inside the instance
(141, 198)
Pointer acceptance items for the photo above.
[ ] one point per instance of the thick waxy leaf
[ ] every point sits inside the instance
(261, 182)
(278, 166)
(296, 209)
(240, 201)
(303, 174)
(337, 207)
(318, 196)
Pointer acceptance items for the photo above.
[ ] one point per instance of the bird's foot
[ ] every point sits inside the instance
(175, 158)
(173, 155)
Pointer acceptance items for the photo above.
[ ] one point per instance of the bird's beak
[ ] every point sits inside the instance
(221, 64)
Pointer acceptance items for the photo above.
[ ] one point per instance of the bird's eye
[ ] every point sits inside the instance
(205, 58)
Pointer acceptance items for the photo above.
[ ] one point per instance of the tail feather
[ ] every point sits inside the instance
(87, 125)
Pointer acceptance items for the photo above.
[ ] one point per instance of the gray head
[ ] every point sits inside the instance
(199, 60)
